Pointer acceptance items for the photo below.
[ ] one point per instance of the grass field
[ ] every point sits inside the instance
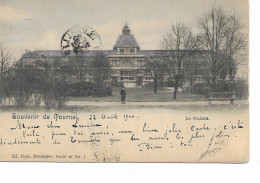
(141, 95)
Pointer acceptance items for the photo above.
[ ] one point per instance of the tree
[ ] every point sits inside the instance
(100, 67)
(179, 42)
(43, 80)
(23, 84)
(214, 31)
(235, 47)
(222, 36)
(18, 84)
(80, 63)
(157, 66)
(56, 89)
(5, 57)
(193, 69)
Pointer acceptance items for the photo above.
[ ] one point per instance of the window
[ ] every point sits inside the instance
(121, 50)
(132, 50)
(127, 78)
(127, 73)
(115, 63)
(139, 63)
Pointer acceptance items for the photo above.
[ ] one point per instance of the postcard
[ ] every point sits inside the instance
(124, 81)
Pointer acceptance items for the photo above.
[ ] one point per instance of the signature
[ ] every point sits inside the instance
(211, 152)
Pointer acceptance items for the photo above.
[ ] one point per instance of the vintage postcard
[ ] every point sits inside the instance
(124, 81)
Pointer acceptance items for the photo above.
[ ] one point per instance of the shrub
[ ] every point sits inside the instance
(241, 89)
(170, 83)
(151, 85)
(90, 89)
(117, 84)
(202, 89)
(102, 91)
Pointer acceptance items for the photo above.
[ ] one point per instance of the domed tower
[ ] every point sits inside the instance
(126, 30)
(126, 43)
(127, 61)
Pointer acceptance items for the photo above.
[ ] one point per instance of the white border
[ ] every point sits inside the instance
(168, 172)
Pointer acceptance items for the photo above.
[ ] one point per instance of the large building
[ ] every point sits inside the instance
(127, 60)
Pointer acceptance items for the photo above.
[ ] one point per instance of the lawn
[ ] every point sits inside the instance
(142, 95)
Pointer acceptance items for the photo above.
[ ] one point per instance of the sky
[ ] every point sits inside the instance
(39, 24)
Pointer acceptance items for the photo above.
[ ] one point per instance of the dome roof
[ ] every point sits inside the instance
(126, 30)
(126, 39)
(126, 27)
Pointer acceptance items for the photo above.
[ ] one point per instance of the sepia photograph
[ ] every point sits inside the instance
(124, 81)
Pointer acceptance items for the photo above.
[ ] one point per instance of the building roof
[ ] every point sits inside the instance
(58, 53)
(126, 39)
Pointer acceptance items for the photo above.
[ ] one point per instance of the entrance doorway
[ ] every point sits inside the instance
(139, 81)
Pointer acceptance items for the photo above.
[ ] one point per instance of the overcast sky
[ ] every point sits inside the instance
(39, 24)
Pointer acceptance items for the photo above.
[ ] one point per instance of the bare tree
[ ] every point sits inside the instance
(56, 90)
(19, 85)
(157, 66)
(5, 61)
(193, 69)
(222, 36)
(213, 25)
(179, 41)
(5, 58)
(100, 67)
(81, 65)
(235, 47)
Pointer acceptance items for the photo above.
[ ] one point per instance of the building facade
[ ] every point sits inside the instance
(126, 59)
